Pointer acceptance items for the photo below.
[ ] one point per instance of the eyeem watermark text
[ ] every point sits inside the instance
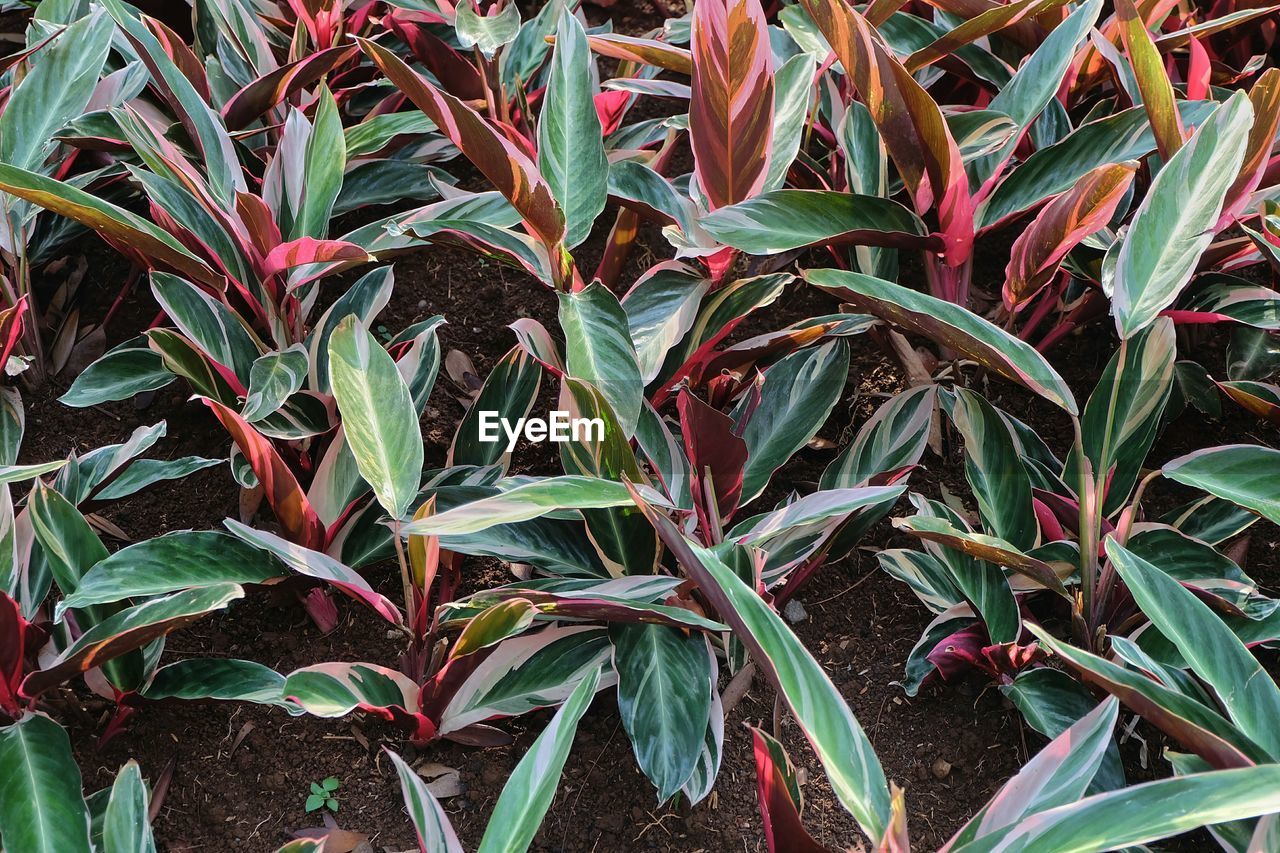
(560, 426)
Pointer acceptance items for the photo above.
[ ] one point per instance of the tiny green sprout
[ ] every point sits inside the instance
(322, 795)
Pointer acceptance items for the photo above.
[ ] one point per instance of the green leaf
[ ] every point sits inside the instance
(41, 807)
(949, 325)
(840, 743)
(798, 394)
(1051, 702)
(126, 827)
(120, 225)
(1058, 775)
(55, 90)
(118, 375)
(324, 162)
(992, 467)
(435, 832)
(570, 145)
(21, 473)
(664, 691)
(1143, 813)
(782, 220)
(508, 392)
(314, 802)
(169, 563)
(1123, 414)
(894, 438)
(532, 785)
(524, 502)
(273, 378)
(217, 678)
(1191, 723)
(203, 125)
(792, 93)
(661, 308)
(1025, 96)
(378, 416)
(489, 32)
(337, 689)
(598, 349)
(1125, 135)
(208, 323)
(1247, 692)
(1149, 266)
(364, 299)
(1245, 474)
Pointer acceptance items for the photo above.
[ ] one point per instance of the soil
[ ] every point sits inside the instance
(240, 774)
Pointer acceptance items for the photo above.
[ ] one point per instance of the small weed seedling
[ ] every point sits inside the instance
(323, 795)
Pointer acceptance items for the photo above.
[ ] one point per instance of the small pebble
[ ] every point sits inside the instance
(795, 612)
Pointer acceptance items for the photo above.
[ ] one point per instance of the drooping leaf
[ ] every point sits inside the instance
(435, 832)
(782, 220)
(131, 629)
(170, 563)
(664, 691)
(951, 326)
(1245, 474)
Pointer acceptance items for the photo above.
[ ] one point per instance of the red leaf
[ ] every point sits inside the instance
(611, 107)
(308, 250)
(908, 119)
(13, 637)
(458, 76)
(779, 797)
(270, 89)
(731, 109)
(1265, 97)
(1059, 228)
(11, 328)
(711, 446)
(298, 519)
(507, 168)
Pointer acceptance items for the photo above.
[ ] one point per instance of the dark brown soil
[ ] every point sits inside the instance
(241, 773)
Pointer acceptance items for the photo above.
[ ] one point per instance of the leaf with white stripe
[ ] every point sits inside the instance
(41, 807)
(435, 832)
(840, 743)
(570, 146)
(1149, 266)
(531, 787)
(664, 692)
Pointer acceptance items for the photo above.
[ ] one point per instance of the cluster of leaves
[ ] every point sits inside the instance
(1132, 151)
